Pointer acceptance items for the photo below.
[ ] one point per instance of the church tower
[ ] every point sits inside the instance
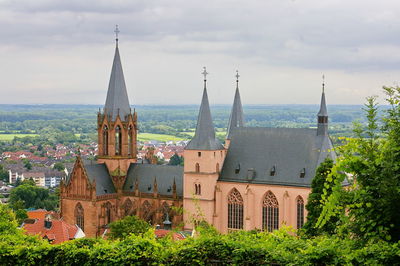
(117, 125)
(237, 118)
(204, 156)
(322, 129)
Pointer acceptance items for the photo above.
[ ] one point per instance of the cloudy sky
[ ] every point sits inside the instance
(61, 51)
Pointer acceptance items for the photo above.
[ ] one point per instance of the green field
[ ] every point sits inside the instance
(10, 137)
(157, 137)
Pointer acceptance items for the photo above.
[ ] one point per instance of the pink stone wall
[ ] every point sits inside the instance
(253, 196)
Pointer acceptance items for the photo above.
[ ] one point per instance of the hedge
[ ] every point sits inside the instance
(240, 248)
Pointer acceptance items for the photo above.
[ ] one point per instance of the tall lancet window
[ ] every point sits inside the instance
(270, 215)
(130, 136)
(105, 140)
(300, 212)
(79, 216)
(118, 140)
(108, 215)
(235, 210)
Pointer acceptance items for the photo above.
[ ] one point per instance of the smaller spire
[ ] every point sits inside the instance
(323, 113)
(116, 34)
(236, 118)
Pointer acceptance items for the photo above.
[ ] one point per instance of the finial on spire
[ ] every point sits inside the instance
(237, 78)
(116, 33)
(323, 83)
(205, 73)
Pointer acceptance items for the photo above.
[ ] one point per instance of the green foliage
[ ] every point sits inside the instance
(314, 206)
(59, 166)
(3, 174)
(129, 225)
(31, 196)
(176, 160)
(372, 160)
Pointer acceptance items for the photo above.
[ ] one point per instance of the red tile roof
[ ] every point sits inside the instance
(162, 233)
(59, 231)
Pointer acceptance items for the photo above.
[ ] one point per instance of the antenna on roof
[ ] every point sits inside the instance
(116, 34)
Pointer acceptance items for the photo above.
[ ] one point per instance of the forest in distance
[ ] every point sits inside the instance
(78, 122)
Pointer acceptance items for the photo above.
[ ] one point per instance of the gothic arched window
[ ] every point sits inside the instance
(300, 212)
(127, 207)
(166, 209)
(235, 210)
(80, 216)
(130, 137)
(118, 140)
(197, 167)
(147, 212)
(108, 208)
(217, 168)
(270, 215)
(105, 140)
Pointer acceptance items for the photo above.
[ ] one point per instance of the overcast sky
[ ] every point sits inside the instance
(61, 51)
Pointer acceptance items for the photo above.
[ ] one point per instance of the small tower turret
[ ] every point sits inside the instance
(322, 129)
(237, 118)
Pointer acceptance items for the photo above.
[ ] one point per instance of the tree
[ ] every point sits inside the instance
(59, 166)
(175, 160)
(128, 226)
(27, 164)
(3, 174)
(314, 205)
(32, 196)
(372, 159)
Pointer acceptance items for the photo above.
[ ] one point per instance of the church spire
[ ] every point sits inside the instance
(237, 118)
(117, 102)
(204, 137)
(323, 113)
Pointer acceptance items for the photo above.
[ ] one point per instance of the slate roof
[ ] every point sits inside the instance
(117, 96)
(99, 173)
(323, 111)
(237, 118)
(288, 149)
(204, 137)
(164, 174)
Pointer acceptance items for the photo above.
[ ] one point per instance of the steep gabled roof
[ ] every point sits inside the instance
(254, 152)
(204, 137)
(145, 174)
(237, 118)
(117, 101)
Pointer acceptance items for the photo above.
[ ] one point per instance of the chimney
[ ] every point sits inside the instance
(47, 221)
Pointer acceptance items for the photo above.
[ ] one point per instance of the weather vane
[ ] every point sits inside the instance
(116, 32)
(237, 78)
(205, 73)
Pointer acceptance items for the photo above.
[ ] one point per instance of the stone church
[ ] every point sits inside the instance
(259, 179)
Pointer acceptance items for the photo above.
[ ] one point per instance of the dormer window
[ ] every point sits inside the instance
(237, 169)
(251, 173)
(149, 188)
(303, 173)
(272, 172)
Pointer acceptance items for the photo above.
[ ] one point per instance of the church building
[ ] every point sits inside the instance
(259, 179)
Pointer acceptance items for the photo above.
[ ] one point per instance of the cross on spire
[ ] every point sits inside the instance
(116, 33)
(237, 78)
(323, 83)
(205, 73)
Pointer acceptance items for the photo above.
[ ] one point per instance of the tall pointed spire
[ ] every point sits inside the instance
(237, 118)
(204, 137)
(323, 113)
(117, 102)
